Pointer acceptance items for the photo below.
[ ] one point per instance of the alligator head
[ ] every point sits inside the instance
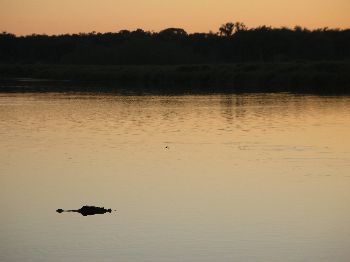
(87, 210)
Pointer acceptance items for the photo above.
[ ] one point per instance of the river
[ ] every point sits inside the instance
(241, 177)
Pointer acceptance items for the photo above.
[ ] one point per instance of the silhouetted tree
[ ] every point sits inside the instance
(227, 29)
(239, 26)
(172, 33)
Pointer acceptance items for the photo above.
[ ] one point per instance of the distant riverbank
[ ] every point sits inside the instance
(309, 77)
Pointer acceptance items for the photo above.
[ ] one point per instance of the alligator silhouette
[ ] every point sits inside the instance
(87, 210)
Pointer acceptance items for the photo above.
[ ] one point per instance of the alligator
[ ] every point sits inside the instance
(87, 210)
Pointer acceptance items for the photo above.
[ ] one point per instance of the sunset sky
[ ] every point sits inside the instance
(72, 16)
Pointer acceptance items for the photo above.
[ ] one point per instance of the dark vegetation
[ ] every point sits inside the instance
(233, 43)
(280, 59)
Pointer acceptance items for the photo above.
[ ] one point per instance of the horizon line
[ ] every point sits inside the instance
(2, 31)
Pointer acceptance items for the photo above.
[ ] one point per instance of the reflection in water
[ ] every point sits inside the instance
(196, 178)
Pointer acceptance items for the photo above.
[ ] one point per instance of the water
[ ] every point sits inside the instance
(244, 178)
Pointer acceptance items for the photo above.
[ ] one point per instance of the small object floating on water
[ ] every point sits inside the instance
(87, 210)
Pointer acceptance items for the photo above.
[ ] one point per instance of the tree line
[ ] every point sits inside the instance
(233, 43)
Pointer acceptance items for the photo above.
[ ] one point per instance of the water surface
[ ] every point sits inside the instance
(262, 177)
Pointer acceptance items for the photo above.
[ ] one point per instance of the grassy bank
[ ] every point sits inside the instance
(311, 77)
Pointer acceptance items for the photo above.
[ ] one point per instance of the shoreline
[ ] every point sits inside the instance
(299, 77)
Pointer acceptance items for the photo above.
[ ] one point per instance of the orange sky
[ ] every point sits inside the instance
(73, 16)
